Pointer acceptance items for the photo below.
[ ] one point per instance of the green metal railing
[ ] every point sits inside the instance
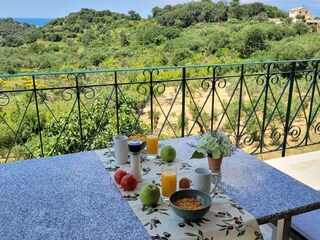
(264, 107)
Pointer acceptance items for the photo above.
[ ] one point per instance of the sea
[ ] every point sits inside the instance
(39, 22)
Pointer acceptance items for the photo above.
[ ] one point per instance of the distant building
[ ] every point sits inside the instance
(314, 22)
(300, 11)
(308, 17)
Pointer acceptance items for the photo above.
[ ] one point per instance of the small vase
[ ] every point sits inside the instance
(215, 164)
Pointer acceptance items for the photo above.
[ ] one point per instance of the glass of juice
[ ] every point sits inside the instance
(168, 180)
(152, 146)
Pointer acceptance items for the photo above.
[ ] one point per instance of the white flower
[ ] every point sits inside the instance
(215, 144)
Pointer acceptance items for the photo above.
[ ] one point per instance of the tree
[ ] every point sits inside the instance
(217, 41)
(235, 3)
(53, 37)
(235, 10)
(214, 12)
(88, 37)
(97, 58)
(250, 40)
(155, 11)
(255, 9)
(134, 16)
(288, 20)
(300, 28)
(180, 55)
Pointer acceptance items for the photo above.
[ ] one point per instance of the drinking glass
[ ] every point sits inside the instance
(152, 146)
(168, 180)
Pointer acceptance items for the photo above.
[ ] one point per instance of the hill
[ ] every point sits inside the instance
(184, 34)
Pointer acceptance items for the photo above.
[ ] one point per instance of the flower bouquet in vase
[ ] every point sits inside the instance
(214, 145)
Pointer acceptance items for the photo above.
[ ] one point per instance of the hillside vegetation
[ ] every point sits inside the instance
(185, 34)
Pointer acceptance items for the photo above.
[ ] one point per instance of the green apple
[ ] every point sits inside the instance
(150, 195)
(168, 153)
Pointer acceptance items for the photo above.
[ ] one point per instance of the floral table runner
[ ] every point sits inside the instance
(225, 220)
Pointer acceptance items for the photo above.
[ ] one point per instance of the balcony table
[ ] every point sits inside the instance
(73, 197)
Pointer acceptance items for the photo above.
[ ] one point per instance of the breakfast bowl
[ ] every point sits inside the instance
(190, 204)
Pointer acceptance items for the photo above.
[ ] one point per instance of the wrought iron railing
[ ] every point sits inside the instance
(264, 107)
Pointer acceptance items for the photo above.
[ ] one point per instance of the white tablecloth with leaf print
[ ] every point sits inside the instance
(225, 220)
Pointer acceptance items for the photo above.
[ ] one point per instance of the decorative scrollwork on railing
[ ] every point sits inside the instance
(265, 66)
(81, 76)
(88, 92)
(215, 69)
(143, 88)
(315, 65)
(71, 77)
(206, 83)
(270, 66)
(67, 94)
(317, 129)
(274, 79)
(309, 76)
(151, 73)
(159, 88)
(261, 79)
(248, 139)
(276, 135)
(4, 99)
(221, 82)
(295, 131)
(272, 139)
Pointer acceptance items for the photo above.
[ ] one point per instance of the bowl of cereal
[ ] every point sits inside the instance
(190, 204)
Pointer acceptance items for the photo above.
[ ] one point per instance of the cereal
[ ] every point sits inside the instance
(188, 204)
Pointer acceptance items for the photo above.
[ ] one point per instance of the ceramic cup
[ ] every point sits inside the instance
(202, 179)
(120, 149)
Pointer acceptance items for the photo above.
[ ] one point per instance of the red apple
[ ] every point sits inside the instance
(118, 175)
(129, 183)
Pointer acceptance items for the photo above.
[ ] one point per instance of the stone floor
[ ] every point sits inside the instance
(303, 167)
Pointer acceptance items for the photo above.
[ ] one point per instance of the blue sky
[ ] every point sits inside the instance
(61, 8)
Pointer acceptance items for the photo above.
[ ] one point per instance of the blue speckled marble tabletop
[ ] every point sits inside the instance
(64, 197)
(267, 193)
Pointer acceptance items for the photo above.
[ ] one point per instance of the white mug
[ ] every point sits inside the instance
(121, 149)
(202, 179)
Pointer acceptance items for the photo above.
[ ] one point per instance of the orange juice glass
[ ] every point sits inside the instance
(168, 181)
(152, 146)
